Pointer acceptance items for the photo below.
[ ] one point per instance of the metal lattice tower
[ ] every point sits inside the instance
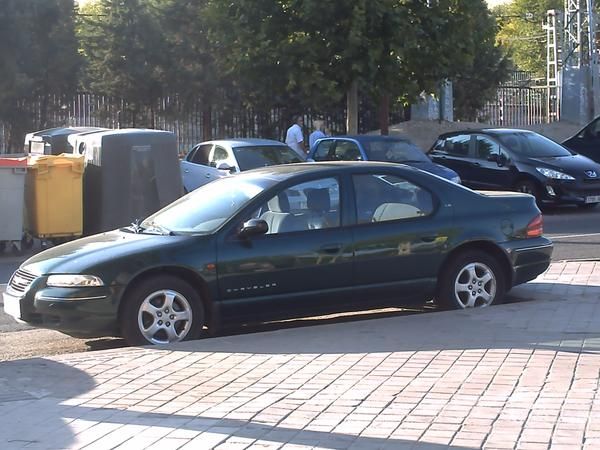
(552, 74)
(578, 49)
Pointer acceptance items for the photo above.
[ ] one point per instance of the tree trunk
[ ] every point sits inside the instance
(352, 109)
(384, 114)
(206, 122)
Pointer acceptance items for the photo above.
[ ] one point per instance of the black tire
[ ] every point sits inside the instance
(128, 320)
(529, 187)
(448, 297)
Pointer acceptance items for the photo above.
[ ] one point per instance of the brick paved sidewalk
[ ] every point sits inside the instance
(521, 375)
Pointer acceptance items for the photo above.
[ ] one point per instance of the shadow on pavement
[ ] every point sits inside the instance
(38, 385)
(44, 388)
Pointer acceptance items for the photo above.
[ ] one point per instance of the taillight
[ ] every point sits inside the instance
(535, 228)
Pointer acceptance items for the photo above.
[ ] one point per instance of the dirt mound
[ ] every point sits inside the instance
(424, 133)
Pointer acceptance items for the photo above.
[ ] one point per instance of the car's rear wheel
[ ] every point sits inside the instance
(472, 279)
(162, 310)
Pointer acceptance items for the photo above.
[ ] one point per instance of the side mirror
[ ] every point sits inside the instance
(253, 227)
(224, 166)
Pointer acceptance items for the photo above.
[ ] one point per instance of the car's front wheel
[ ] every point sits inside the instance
(162, 310)
(529, 187)
(472, 279)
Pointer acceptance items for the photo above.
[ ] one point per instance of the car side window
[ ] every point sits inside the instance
(458, 145)
(347, 151)
(485, 147)
(219, 155)
(308, 206)
(200, 155)
(382, 198)
(322, 152)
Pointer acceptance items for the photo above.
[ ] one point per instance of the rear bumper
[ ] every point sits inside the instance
(529, 258)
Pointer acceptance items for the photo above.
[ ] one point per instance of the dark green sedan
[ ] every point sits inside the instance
(283, 241)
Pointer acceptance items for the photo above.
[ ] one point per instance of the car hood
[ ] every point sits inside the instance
(574, 165)
(89, 252)
(435, 169)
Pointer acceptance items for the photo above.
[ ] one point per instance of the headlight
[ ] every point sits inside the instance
(74, 281)
(555, 174)
(456, 179)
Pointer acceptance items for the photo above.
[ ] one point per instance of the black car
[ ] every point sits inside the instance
(587, 141)
(522, 161)
(286, 240)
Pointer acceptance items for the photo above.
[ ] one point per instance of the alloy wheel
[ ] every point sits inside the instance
(165, 316)
(475, 286)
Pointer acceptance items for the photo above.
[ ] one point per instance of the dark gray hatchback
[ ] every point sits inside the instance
(522, 161)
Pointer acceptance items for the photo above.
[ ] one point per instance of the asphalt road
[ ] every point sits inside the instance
(575, 232)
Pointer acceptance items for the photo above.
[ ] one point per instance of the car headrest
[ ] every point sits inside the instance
(317, 199)
(279, 203)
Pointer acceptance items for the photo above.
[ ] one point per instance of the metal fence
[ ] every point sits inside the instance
(516, 106)
(184, 118)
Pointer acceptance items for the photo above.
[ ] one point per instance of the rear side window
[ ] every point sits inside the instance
(382, 198)
(458, 145)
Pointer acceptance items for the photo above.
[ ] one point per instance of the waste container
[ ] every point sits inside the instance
(54, 196)
(53, 141)
(12, 186)
(129, 175)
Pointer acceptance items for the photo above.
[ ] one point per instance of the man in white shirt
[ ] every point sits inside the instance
(294, 137)
(318, 133)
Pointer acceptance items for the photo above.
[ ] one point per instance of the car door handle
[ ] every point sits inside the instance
(475, 164)
(207, 175)
(429, 238)
(186, 171)
(331, 248)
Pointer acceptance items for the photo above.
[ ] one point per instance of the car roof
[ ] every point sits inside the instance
(284, 171)
(492, 131)
(370, 137)
(244, 142)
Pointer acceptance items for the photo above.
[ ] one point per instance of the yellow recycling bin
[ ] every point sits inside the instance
(54, 196)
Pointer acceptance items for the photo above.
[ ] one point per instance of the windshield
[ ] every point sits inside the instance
(532, 145)
(260, 156)
(208, 207)
(394, 151)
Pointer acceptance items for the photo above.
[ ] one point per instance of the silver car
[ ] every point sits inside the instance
(210, 160)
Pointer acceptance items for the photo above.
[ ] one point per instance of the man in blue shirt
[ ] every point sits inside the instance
(318, 133)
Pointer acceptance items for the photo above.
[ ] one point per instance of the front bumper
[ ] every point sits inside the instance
(528, 257)
(79, 312)
(574, 192)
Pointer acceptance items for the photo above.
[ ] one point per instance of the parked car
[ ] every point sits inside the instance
(587, 141)
(369, 234)
(394, 149)
(522, 161)
(210, 160)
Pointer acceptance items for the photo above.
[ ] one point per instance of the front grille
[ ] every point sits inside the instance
(595, 181)
(21, 280)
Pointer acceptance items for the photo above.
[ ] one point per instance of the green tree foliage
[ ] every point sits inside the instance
(38, 59)
(521, 32)
(476, 76)
(126, 53)
(313, 53)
